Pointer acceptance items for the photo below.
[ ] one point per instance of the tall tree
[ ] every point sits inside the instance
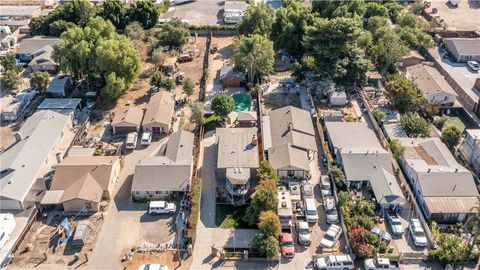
(414, 125)
(269, 223)
(266, 171)
(115, 12)
(10, 79)
(264, 199)
(161, 81)
(397, 148)
(258, 19)
(96, 52)
(60, 26)
(388, 49)
(144, 12)
(39, 79)
(174, 33)
(158, 57)
(333, 43)
(254, 55)
(403, 94)
(198, 111)
(451, 135)
(135, 31)
(8, 62)
(289, 26)
(222, 105)
(188, 87)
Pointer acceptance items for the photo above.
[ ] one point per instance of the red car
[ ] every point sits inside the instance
(288, 247)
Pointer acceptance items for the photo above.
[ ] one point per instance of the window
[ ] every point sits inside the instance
(137, 192)
(158, 192)
(445, 98)
(290, 173)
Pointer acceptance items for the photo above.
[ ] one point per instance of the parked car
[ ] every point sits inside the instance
(331, 236)
(332, 215)
(131, 141)
(381, 263)
(333, 262)
(146, 139)
(417, 233)
(473, 65)
(180, 77)
(326, 186)
(288, 248)
(311, 210)
(385, 236)
(161, 207)
(303, 232)
(153, 267)
(307, 191)
(395, 223)
(324, 160)
(185, 58)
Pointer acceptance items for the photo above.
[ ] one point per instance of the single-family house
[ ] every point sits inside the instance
(444, 189)
(230, 77)
(233, 11)
(167, 172)
(332, 115)
(289, 140)
(37, 146)
(28, 47)
(159, 113)
(18, 105)
(365, 162)
(8, 41)
(127, 120)
(42, 3)
(374, 78)
(60, 86)
(463, 49)
(67, 106)
(18, 15)
(80, 183)
(43, 61)
(237, 163)
(470, 149)
(242, 119)
(413, 58)
(432, 84)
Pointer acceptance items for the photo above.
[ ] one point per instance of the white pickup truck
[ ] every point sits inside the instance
(381, 263)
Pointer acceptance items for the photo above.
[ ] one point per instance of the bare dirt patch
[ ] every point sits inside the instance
(37, 247)
(166, 258)
(220, 58)
(274, 101)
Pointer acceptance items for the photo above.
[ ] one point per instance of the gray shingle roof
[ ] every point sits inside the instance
(287, 157)
(31, 45)
(464, 46)
(59, 103)
(292, 125)
(429, 80)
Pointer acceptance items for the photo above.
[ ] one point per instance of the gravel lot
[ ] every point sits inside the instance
(461, 18)
(200, 12)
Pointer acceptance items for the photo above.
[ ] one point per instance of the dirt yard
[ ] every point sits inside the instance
(217, 60)
(274, 101)
(166, 258)
(37, 247)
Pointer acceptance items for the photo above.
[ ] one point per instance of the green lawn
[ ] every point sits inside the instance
(454, 121)
(229, 217)
(211, 122)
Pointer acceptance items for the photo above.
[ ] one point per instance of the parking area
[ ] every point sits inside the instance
(200, 12)
(457, 18)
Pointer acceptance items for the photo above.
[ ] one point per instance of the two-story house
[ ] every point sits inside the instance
(289, 141)
(237, 163)
(470, 149)
(444, 189)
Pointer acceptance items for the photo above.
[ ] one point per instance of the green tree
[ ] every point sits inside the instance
(174, 33)
(258, 19)
(264, 199)
(473, 225)
(198, 111)
(338, 176)
(266, 171)
(40, 79)
(451, 135)
(60, 26)
(303, 67)
(450, 249)
(333, 43)
(269, 223)
(188, 87)
(158, 57)
(414, 125)
(38, 26)
(143, 12)
(115, 12)
(375, 9)
(135, 31)
(409, 20)
(161, 81)
(8, 62)
(97, 51)
(397, 148)
(114, 87)
(289, 26)
(403, 94)
(254, 55)
(222, 105)
(10, 79)
(388, 49)
(266, 244)
(378, 115)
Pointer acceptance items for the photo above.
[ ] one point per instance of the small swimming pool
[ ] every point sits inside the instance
(242, 102)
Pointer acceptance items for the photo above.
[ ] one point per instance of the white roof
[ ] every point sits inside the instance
(157, 204)
(24, 159)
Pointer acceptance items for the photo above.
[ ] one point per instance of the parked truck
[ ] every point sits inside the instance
(381, 263)
(395, 223)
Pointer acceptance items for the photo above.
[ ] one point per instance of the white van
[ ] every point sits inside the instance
(311, 210)
(131, 141)
(161, 207)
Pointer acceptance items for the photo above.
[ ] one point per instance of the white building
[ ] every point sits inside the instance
(470, 149)
(444, 189)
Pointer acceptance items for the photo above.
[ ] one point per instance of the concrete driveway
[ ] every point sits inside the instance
(126, 224)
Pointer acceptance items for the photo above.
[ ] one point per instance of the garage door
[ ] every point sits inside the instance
(10, 205)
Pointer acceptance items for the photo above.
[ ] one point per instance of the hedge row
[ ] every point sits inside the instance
(195, 197)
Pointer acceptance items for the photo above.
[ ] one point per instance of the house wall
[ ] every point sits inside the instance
(299, 174)
(48, 68)
(471, 152)
(156, 128)
(151, 195)
(443, 98)
(122, 129)
(7, 204)
(465, 58)
(78, 205)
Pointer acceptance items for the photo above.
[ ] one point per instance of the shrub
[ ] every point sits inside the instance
(195, 197)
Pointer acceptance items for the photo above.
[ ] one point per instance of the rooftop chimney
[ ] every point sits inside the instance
(18, 136)
(456, 169)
